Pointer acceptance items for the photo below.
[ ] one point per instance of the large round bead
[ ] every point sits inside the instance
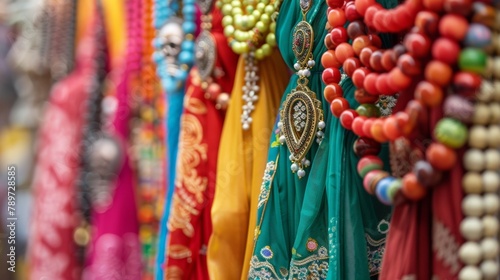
(366, 146)
(382, 190)
(411, 188)
(369, 163)
(451, 133)
(470, 253)
(368, 110)
(478, 36)
(426, 174)
(458, 108)
(441, 156)
(372, 178)
(472, 60)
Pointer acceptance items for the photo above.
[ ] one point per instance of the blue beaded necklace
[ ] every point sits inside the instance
(165, 12)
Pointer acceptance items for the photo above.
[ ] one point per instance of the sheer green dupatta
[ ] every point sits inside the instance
(292, 219)
(357, 222)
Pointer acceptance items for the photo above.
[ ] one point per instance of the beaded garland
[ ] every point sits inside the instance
(375, 72)
(249, 27)
(173, 75)
(481, 160)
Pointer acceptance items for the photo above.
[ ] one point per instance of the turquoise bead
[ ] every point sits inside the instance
(186, 57)
(478, 36)
(188, 27)
(472, 60)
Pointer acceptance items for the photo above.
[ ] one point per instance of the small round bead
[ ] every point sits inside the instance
(472, 60)
(470, 253)
(471, 228)
(494, 136)
(492, 159)
(294, 167)
(440, 156)
(489, 269)
(321, 125)
(490, 248)
(472, 183)
(472, 205)
(426, 174)
(470, 272)
(338, 106)
(347, 117)
(491, 203)
(491, 180)
(372, 178)
(481, 114)
(490, 226)
(478, 137)
(474, 160)
(453, 26)
(382, 190)
(411, 188)
(438, 73)
(364, 146)
(446, 50)
(458, 108)
(301, 173)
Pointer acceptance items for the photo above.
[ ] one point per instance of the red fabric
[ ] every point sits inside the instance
(190, 224)
(424, 236)
(52, 252)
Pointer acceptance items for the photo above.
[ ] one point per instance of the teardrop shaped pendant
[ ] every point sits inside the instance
(302, 114)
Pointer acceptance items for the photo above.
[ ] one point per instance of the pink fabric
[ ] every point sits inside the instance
(52, 252)
(115, 251)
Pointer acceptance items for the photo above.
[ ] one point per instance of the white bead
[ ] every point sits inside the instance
(472, 183)
(492, 159)
(280, 124)
(494, 136)
(246, 126)
(296, 66)
(301, 173)
(486, 92)
(478, 137)
(489, 269)
(321, 125)
(490, 226)
(491, 181)
(306, 72)
(474, 160)
(472, 205)
(294, 167)
(307, 163)
(489, 246)
(491, 203)
(470, 273)
(320, 134)
(471, 228)
(470, 253)
(311, 63)
(282, 139)
(291, 157)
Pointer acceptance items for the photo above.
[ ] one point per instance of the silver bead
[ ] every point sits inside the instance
(306, 72)
(282, 139)
(311, 63)
(294, 167)
(296, 66)
(280, 124)
(307, 163)
(320, 134)
(321, 125)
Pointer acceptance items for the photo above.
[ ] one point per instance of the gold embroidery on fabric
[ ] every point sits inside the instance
(177, 251)
(173, 272)
(190, 186)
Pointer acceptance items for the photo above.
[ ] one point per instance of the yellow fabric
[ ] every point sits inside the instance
(114, 17)
(241, 164)
(85, 11)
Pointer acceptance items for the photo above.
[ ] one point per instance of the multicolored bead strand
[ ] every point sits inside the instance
(481, 160)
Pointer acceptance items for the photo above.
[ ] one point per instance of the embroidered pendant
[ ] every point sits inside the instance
(205, 54)
(301, 117)
(303, 35)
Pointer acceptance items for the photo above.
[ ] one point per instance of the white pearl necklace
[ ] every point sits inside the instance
(250, 89)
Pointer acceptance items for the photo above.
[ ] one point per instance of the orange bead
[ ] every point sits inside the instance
(453, 26)
(333, 91)
(350, 65)
(357, 125)
(359, 75)
(338, 106)
(329, 60)
(434, 5)
(429, 94)
(367, 127)
(438, 73)
(377, 131)
(336, 17)
(343, 52)
(387, 61)
(360, 43)
(392, 129)
(398, 80)
(366, 54)
(362, 97)
(363, 5)
(411, 188)
(440, 156)
(375, 40)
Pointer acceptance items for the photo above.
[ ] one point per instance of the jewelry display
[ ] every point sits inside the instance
(249, 27)
(302, 114)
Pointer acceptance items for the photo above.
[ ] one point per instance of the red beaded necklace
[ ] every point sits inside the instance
(430, 60)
